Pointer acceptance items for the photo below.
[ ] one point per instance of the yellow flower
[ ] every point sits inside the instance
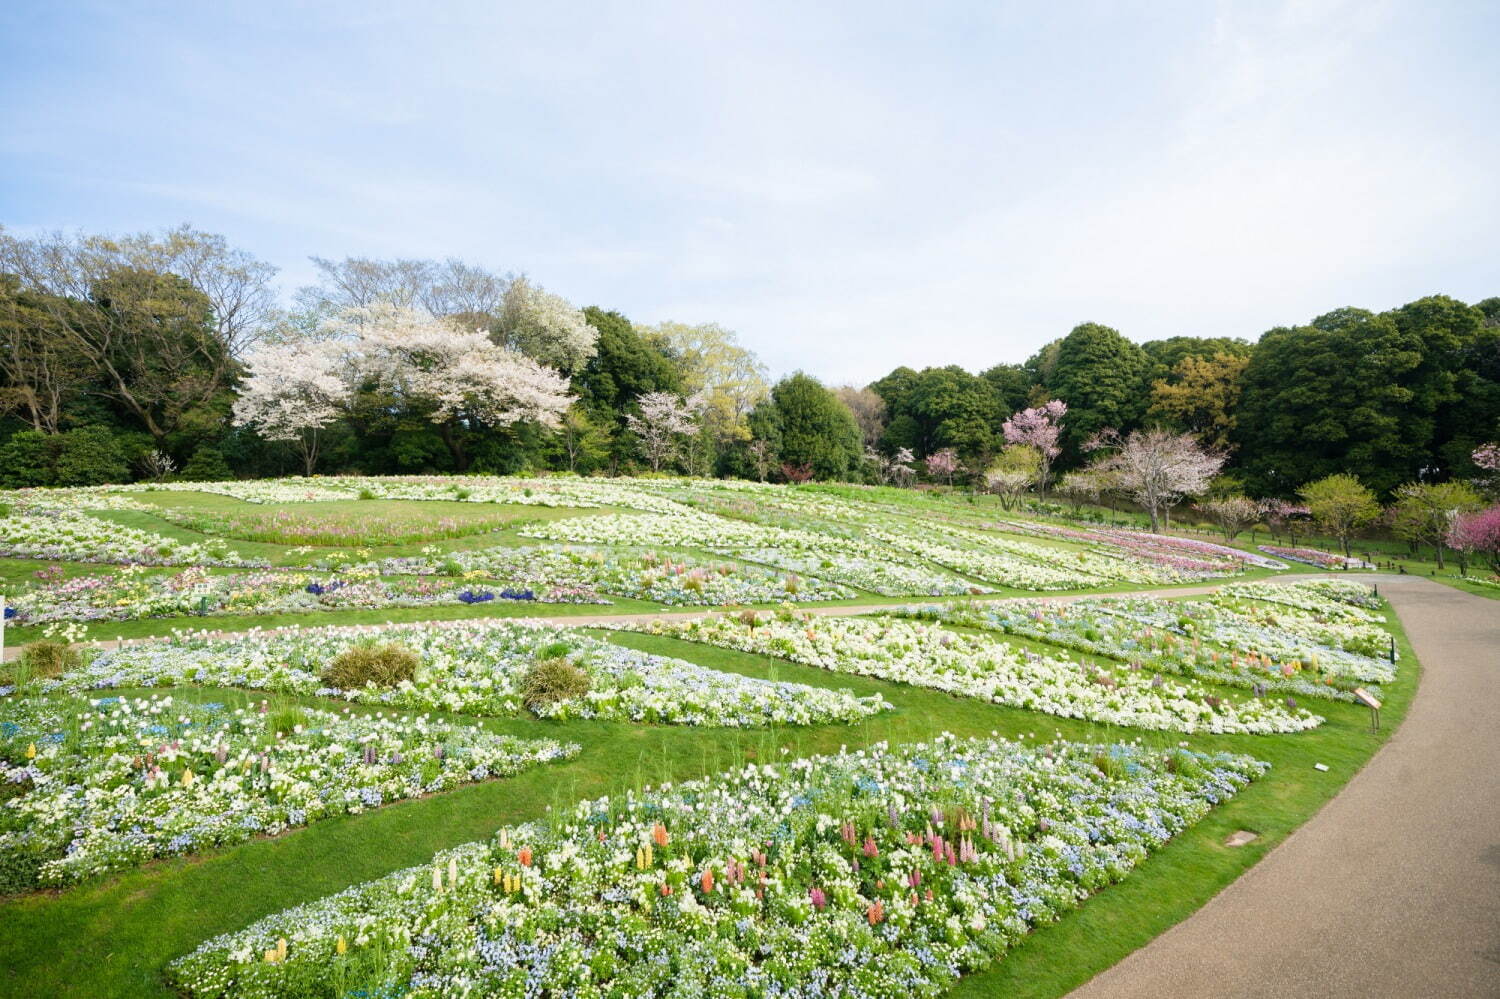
(31, 751)
(342, 947)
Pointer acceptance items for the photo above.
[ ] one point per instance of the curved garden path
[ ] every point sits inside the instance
(1393, 889)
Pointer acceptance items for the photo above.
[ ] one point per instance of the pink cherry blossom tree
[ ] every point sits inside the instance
(1157, 468)
(942, 464)
(1038, 427)
(1478, 534)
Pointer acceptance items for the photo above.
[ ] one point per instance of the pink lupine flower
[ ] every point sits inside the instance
(871, 850)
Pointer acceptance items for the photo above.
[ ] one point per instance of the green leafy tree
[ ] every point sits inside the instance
(1341, 505)
(940, 408)
(1102, 377)
(816, 429)
(206, 465)
(1424, 512)
(1201, 395)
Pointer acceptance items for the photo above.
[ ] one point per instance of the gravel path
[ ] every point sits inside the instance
(1393, 889)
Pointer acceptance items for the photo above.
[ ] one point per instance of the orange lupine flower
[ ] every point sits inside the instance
(708, 881)
(524, 856)
(876, 913)
(659, 835)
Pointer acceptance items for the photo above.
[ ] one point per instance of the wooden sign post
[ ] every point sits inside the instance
(1364, 697)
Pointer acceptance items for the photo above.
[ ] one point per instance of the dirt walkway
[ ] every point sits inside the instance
(1393, 889)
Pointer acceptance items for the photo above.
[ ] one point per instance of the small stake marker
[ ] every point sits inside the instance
(1321, 766)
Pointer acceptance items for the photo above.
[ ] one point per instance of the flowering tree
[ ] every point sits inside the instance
(293, 391)
(1478, 534)
(895, 470)
(663, 420)
(1424, 512)
(1085, 486)
(1014, 472)
(942, 464)
(460, 380)
(1232, 513)
(544, 327)
(1280, 514)
(1038, 427)
(762, 455)
(1157, 468)
(1487, 456)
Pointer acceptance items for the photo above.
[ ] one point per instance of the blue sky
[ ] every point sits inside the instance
(849, 186)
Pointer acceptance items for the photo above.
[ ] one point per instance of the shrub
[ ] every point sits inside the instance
(206, 465)
(366, 494)
(91, 456)
(552, 680)
(383, 665)
(47, 658)
(27, 459)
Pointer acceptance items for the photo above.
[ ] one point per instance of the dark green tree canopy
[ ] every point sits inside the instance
(1103, 378)
(816, 428)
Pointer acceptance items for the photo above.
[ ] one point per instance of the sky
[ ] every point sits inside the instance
(850, 187)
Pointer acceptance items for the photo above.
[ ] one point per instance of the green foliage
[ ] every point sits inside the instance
(1102, 377)
(816, 428)
(28, 459)
(943, 407)
(284, 720)
(206, 465)
(383, 665)
(1341, 505)
(1424, 512)
(550, 680)
(90, 456)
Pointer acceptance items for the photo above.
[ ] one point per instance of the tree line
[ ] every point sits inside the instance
(168, 354)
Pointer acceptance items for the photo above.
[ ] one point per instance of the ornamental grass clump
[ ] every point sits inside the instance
(384, 665)
(552, 680)
(47, 658)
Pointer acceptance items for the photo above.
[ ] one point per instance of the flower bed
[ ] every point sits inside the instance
(1089, 627)
(77, 537)
(478, 667)
(678, 580)
(128, 595)
(888, 872)
(1271, 640)
(124, 781)
(977, 666)
(1312, 556)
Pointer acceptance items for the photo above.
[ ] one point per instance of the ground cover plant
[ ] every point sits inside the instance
(476, 667)
(95, 786)
(978, 666)
(1290, 647)
(884, 872)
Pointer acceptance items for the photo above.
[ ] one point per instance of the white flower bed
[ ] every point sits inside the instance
(975, 666)
(76, 537)
(887, 872)
(477, 667)
(663, 578)
(124, 781)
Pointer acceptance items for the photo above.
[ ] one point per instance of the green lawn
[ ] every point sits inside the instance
(112, 937)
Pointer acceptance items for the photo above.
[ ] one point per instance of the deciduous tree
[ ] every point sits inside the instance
(1340, 504)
